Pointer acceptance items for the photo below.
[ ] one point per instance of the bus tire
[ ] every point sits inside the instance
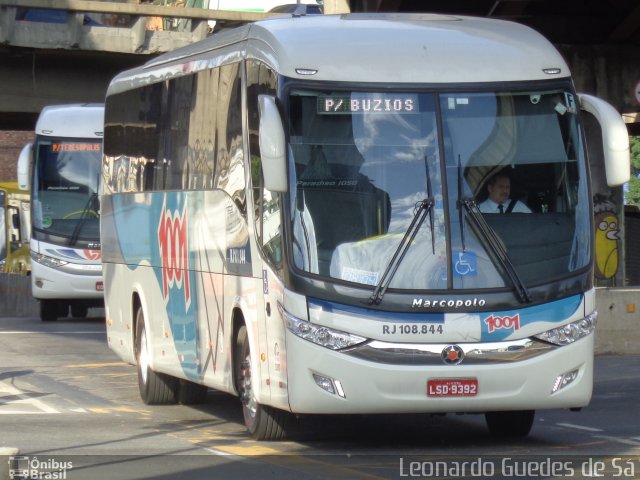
(190, 393)
(155, 388)
(50, 310)
(515, 423)
(262, 422)
(79, 310)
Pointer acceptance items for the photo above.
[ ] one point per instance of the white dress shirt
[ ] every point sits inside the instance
(489, 206)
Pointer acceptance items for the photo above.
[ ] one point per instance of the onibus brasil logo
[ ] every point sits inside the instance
(22, 467)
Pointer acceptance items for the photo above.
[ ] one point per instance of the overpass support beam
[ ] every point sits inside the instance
(7, 14)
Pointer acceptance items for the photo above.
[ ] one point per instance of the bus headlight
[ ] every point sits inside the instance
(571, 332)
(48, 261)
(318, 334)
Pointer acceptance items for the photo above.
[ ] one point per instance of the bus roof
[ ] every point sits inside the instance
(76, 120)
(371, 47)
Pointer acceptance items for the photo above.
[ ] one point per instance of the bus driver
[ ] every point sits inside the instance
(499, 201)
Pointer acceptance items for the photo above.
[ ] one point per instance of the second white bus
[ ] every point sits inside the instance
(62, 170)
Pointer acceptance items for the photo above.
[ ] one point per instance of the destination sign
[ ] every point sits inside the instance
(76, 147)
(367, 103)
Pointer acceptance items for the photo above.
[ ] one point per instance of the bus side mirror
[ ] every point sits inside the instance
(615, 139)
(15, 219)
(272, 145)
(24, 164)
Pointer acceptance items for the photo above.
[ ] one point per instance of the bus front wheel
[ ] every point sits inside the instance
(155, 388)
(50, 310)
(516, 423)
(79, 310)
(262, 422)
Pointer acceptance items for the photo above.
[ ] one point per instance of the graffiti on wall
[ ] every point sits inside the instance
(607, 236)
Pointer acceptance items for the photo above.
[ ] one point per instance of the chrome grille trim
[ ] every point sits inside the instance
(429, 354)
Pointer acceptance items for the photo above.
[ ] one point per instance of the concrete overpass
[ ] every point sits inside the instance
(61, 51)
(68, 50)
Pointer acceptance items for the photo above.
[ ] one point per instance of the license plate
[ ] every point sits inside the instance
(452, 387)
(99, 287)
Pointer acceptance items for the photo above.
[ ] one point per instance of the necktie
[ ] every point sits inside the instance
(500, 208)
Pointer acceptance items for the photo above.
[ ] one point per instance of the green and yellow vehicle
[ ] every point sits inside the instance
(15, 220)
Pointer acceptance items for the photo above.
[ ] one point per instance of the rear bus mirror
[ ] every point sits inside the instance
(272, 145)
(615, 139)
(24, 164)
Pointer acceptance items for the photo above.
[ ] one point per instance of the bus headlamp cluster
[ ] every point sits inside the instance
(48, 261)
(318, 334)
(571, 332)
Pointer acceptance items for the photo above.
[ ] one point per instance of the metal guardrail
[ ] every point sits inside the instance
(15, 296)
(130, 27)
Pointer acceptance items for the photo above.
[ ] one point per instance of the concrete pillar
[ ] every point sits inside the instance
(139, 34)
(336, 6)
(7, 21)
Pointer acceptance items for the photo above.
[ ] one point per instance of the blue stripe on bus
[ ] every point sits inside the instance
(377, 315)
(495, 325)
(507, 322)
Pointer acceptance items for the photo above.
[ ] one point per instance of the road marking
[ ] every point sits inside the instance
(248, 451)
(22, 399)
(24, 332)
(635, 441)
(579, 427)
(98, 365)
(116, 410)
(625, 441)
(305, 463)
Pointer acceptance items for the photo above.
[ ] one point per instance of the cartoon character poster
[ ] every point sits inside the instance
(608, 211)
(607, 237)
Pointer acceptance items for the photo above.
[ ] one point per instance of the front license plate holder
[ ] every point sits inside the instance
(452, 387)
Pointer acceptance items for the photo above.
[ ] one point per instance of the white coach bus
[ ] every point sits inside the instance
(62, 169)
(293, 213)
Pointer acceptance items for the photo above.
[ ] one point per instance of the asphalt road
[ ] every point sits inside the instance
(69, 406)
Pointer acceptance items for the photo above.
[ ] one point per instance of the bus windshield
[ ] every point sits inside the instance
(366, 162)
(65, 197)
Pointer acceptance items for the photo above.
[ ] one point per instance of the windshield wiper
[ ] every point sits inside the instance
(430, 197)
(423, 208)
(90, 209)
(497, 248)
(490, 236)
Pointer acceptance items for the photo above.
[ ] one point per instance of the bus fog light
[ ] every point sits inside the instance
(329, 384)
(564, 380)
(324, 383)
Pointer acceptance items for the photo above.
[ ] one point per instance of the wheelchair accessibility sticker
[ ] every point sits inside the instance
(465, 264)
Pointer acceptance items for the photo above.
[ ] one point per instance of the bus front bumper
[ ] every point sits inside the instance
(51, 283)
(325, 381)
